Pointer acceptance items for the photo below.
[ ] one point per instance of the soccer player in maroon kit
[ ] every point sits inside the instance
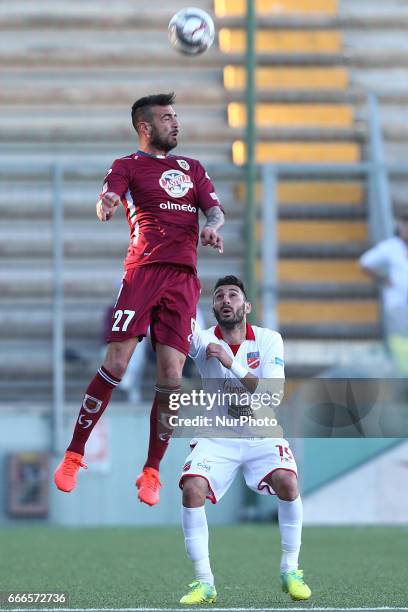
(162, 195)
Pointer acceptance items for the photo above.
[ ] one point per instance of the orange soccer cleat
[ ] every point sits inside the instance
(65, 476)
(149, 485)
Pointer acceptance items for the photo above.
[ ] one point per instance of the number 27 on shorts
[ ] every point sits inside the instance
(122, 318)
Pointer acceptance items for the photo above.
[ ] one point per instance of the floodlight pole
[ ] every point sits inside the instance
(250, 168)
(58, 310)
(250, 511)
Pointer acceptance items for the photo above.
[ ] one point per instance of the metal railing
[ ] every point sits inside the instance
(375, 172)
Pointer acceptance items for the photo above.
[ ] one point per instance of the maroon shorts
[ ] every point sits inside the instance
(163, 296)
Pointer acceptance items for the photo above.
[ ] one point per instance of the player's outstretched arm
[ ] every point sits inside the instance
(106, 206)
(209, 234)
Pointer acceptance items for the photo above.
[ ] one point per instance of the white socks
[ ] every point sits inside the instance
(195, 530)
(290, 515)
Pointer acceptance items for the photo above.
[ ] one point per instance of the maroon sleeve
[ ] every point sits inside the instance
(206, 195)
(117, 178)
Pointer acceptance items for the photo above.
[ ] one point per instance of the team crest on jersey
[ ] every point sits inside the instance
(175, 183)
(186, 466)
(253, 360)
(183, 164)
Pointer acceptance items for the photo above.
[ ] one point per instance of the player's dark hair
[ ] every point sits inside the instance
(142, 108)
(230, 280)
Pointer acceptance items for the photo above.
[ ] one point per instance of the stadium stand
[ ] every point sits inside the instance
(315, 67)
(69, 73)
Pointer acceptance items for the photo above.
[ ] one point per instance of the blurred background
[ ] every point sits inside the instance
(303, 131)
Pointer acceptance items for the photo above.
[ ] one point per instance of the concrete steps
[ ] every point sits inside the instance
(88, 241)
(334, 290)
(102, 154)
(23, 279)
(311, 70)
(88, 14)
(333, 312)
(29, 204)
(329, 331)
(299, 152)
(320, 250)
(69, 73)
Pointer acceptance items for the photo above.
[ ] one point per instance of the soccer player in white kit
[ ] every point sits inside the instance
(236, 350)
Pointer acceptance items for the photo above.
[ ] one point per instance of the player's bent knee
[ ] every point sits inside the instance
(118, 356)
(285, 485)
(170, 364)
(195, 491)
(171, 372)
(116, 366)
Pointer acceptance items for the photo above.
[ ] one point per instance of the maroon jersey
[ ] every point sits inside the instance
(161, 196)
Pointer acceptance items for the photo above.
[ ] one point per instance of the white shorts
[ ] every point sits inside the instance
(219, 459)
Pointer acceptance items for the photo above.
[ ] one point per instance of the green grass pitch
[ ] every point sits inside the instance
(147, 567)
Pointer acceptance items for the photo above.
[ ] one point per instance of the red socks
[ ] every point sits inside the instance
(160, 430)
(95, 401)
(97, 398)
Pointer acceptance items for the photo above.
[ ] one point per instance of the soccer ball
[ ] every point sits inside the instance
(191, 31)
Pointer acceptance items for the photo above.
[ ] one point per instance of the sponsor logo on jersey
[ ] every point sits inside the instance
(279, 361)
(176, 206)
(183, 164)
(203, 465)
(175, 183)
(253, 360)
(187, 466)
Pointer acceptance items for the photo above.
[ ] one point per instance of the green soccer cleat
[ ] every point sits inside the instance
(293, 583)
(200, 593)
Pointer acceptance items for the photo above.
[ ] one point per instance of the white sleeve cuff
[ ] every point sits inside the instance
(238, 370)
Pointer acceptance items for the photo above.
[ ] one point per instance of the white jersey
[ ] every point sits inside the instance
(390, 257)
(217, 459)
(261, 354)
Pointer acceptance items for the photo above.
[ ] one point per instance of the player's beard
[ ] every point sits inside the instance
(162, 144)
(233, 322)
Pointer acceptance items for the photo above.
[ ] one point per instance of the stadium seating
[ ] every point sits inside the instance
(225, 8)
(287, 78)
(315, 65)
(70, 73)
(71, 70)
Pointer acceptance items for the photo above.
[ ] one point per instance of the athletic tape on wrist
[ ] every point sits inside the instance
(238, 370)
